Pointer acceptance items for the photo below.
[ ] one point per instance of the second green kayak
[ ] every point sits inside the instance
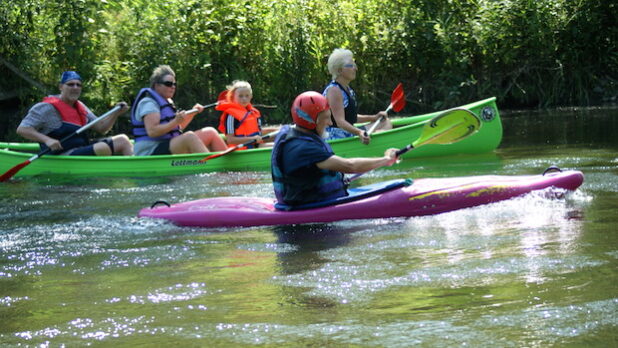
(406, 130)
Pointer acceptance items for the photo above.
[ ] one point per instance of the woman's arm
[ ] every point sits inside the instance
(371, 118)
(335, 100)
(154, 128)
(189, 117)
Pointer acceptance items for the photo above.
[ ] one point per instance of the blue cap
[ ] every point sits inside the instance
(69, 75)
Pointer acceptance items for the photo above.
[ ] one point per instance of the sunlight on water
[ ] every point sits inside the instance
(177, 292)
(521, 237)
(79, 268)
(535, 324)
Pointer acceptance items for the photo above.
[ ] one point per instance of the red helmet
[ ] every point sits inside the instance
(306, 108)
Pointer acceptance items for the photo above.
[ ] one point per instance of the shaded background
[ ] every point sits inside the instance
(447, 53)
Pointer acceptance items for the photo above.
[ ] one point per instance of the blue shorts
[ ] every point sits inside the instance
(88, 150)
(338, 133)
(163, 148)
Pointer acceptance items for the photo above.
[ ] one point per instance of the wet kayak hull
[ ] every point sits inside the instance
(424, 197)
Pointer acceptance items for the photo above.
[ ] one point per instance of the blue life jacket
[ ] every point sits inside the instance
(349, 102)
(167, 113)
(310, 184)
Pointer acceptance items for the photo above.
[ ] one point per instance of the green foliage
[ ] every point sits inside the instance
(447, 52)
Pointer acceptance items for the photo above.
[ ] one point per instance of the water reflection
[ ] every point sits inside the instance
(78, 268)
(477, 247)
(314, 237)
(592, 127)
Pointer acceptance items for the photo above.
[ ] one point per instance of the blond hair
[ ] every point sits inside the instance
(337, 59)
(159, 73)
(237, 84)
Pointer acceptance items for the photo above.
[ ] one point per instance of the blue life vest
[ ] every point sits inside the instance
(349, 102)
(167, 113)
(311, 184)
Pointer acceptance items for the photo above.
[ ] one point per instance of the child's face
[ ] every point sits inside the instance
(243, 96)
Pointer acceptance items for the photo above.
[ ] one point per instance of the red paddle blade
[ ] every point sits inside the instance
(223, 153)
(398, 100)
(397, 93)
(232, 149)
(211, 157)
(223, 95)
(9, 173)
(399, 104)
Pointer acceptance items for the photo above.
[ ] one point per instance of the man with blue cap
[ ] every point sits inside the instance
(58, 116)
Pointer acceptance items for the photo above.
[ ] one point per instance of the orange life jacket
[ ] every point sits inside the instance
(247, 116)
(75, 115)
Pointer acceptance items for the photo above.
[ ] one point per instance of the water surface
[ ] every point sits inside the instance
(77, 267)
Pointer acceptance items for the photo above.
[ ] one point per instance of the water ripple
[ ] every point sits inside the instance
(537, 326)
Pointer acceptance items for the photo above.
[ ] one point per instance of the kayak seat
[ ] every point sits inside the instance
(354, 194)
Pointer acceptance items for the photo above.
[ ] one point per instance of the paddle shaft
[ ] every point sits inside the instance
(399, 152)
(251, 142)
(11, 172)
(239, 146)
(435, 133)
(396, 99)
(190, 111)
(375, 125)
(79, 131)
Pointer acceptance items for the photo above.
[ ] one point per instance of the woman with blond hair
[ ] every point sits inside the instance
(342, 100)
(157, 125)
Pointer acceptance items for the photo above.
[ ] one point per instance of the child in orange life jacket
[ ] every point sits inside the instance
(240, 121)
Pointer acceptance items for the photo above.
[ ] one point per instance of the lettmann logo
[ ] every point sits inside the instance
(179, 163)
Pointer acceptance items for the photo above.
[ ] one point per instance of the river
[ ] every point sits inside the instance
(78, 268)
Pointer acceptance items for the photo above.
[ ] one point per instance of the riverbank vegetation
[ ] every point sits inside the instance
(446, 52)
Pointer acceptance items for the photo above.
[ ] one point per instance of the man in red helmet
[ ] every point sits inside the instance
(304, 167)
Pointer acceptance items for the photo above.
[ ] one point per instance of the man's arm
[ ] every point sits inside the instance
(32, 134)
(358, 164)
(105, 125)
(37, 122)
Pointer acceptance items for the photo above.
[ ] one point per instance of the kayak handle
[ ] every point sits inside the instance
(159, 202)
(552, 169)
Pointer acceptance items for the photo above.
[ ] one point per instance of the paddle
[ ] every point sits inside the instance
(397, 103)
(11, 172)
(190, 111)
(449, 127)
(222, 96)
(239, 146)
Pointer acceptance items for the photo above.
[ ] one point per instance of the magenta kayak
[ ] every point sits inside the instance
(424, 197)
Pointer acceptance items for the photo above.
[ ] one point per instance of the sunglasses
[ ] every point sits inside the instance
(73, 84)
(352, 65)
(169, 83)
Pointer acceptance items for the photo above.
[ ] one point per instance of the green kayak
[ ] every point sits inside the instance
(406, 130)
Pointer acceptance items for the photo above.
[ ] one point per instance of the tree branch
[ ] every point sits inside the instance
(24, 76)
